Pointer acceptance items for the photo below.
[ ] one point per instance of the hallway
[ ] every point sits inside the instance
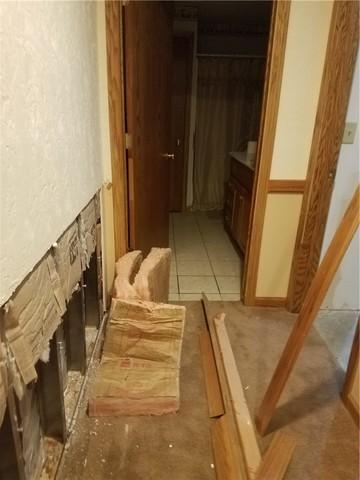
(204, 259)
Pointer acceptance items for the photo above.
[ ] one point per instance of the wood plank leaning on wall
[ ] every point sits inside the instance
(309, 310)
(273, 77)
(329, 126)
(113, 14)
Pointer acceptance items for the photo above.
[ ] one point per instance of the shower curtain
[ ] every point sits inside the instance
(227, 117)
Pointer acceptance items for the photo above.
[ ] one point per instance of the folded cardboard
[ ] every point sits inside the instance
(146, 331)
(139, 370)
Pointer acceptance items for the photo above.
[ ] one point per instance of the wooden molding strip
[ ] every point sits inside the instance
(269, 114)
(224, 449)
(351, 378)
(328, 132)
(286, 186)
(244, 424)
(277, 457)
(211, 378)
(238, 459)
(270, 301)
(116, 123)
(309, 310)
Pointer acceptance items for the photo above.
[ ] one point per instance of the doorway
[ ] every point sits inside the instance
(215, 170)
(151, 147)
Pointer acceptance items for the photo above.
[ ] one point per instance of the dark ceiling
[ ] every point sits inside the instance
(251, 12)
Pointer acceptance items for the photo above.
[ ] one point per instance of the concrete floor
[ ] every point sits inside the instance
(178, 446)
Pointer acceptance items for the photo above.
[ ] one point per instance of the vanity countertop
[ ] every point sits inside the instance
(244, 158)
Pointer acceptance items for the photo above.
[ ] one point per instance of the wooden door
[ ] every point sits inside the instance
(245, 219)
(148, 51)
(181, 90)
(241, 217)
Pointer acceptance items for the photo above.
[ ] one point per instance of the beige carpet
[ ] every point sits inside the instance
(178, 446)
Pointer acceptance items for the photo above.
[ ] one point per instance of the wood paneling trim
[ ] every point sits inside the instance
(286, 186)
(270, 301)
(277, 457)
(242, 418)
(270, 107)
(113, 15)
(329, 126)
(211, 377)
(351, 376)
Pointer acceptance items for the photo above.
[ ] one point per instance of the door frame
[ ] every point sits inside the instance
(334, 97)
(317, 187)
(270, 106)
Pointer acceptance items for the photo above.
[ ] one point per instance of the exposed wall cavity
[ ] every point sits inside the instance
(50, 134)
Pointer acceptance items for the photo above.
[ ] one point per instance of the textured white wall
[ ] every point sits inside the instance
(344, 292)
(49, 127)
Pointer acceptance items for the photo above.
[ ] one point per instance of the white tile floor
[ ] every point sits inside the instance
(203, 260)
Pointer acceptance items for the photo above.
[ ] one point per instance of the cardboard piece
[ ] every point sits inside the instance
(32, 316)
(19, 347)
(125, 270)
(67, 255)
(87, 231)
(153, 279)
(131, 387)
(146, 331)
(139, 370)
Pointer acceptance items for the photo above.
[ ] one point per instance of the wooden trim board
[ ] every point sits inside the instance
(244, 424)
(211, 378)
(277, 457)
(270, 302)
(236, 452)
(351, 377)
(238, 456)
(270, 107)
(224, 449)
(117, 123)
(286, 186)
(328, 132)
(309, 310)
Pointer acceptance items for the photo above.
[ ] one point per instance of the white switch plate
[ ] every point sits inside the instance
(349, 132)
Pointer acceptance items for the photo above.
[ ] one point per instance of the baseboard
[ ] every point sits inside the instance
(270, 301)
